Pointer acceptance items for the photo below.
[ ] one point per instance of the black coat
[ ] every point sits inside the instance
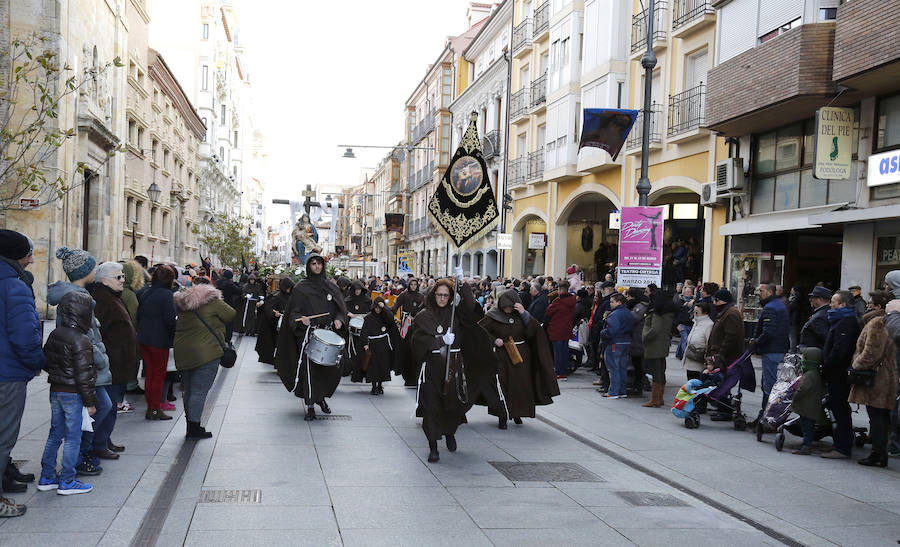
(381, 335)
(840, 344)
(156, 317)
(267, 327)
(538, 307)
(410, 301)
(69, 352)
(815, 331)
(525, 296)
(118, 333)
(231, 293)
(597, 320)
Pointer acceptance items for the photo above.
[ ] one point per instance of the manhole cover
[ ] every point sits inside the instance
(651, 499)
(231, 496)
(545, 472)
(336, 417)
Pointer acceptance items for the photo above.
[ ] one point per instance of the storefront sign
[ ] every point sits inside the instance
(884, 168)
(640, 246)
(834, 130)
(537, 240)
(615, 220)
(504, 241)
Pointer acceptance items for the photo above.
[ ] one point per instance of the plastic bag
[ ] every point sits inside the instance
(782, 394)
(87, 423)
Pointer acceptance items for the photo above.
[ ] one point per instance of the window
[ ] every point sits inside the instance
(204, 78)
(137, 214)
(132, 132)
(153, 226)
(154, 149)
(140, 138)
(780, 30)
(782, 171)
(888, 122)
(221, 153)
(205, 125)
(165, 222)
(206, 31)
(235, 139)
(165, 159)
(129, 212)
(827, 14)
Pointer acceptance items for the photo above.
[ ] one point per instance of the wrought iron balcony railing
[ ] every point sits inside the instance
(636, 138)
(518, 105)
(639, 27)
(542, 18)
(521, 36)
(690, 10)
(535, 165)
(539, 90)
(686, 110)
(517, 171)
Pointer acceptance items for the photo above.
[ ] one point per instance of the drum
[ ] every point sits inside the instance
(324, 347)
(356, 325)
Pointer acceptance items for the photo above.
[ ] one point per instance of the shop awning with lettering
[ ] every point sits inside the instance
(857, 215)
(781, 221)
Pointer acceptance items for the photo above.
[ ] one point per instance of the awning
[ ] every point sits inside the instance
(781, 221)
(857, 215)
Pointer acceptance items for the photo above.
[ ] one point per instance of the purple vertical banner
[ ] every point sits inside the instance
(640, 247)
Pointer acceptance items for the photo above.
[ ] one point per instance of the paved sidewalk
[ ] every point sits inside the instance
(361, 478)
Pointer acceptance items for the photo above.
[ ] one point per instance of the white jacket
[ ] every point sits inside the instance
(698, 338)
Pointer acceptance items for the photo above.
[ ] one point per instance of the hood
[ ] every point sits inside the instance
(285, 285)
(15, 270)
(57, 290)
(893, 280)
(74, 310)
(309, 274)
(192, 298)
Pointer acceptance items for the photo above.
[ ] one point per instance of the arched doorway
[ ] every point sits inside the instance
(684, 234)
(467, 263)
(490, 265)
(583, 236)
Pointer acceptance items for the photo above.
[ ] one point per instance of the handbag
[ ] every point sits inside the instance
(862, 378)
(695, 354)
(229, 354)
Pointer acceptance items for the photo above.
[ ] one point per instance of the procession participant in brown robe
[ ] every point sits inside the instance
(381, 338)
(472, 363)
(269, 318)
(531, 382)
(410, 302)
(313, 295)
(358, 305)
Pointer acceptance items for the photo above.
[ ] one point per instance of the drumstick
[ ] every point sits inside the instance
(313, 316)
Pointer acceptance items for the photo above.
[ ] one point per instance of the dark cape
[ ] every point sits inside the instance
(473, 373)
(267, 323)
(313, 295)
(410, 302)
(381, 334)
(532, 382)
(245, 320)
(353, 356)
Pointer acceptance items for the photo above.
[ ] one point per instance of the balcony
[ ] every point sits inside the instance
(859, 63)
(690, 16)
(428, 173)
(521, 38)
(490, 144)
(517, 171)
(541, 21)
(518, 105)
(535, 168)
(636, 138)
(539, 92)
(686, 114)
(639, 28)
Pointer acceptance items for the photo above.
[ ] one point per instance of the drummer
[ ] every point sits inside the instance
(315, 303)
(410, 302)
(358, 305)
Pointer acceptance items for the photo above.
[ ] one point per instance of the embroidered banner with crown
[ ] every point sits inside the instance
(464, 207)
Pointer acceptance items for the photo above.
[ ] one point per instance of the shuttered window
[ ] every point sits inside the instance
(737, 28)
(774, 14)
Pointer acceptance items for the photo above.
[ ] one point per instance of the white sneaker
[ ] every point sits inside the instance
(124, 408)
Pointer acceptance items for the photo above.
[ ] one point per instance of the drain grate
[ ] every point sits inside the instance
(335, 417)
(651, 499)
(243, 497)
(545, 472)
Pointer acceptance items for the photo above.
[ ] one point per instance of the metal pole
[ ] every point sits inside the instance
(365, 195)
(648, 61)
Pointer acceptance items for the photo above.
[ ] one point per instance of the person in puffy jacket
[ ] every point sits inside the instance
(72, 378)
(199, 336)
(560, 314)
(21, 357)
(79, 267)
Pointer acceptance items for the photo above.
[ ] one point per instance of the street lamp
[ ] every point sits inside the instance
(153, 191)
(648, 61)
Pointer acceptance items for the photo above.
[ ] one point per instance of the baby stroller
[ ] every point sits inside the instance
(578, 346)
(739, 373)
(683, 406)
(778, 408)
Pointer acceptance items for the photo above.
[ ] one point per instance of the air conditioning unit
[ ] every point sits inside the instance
(730, 175)
(709, 194)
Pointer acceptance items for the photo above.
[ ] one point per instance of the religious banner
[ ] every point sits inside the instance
(640, 246)
(463, 207)
(394, 222)
(404, 264)
(606, 128)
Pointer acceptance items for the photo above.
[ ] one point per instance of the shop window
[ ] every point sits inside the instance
(889, 122)
(763, 198)
(787, 191)
(812, 191)
(787, 151)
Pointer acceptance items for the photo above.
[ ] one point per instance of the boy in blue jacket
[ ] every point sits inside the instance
(617, 336)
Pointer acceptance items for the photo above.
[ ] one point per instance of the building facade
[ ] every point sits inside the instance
(785, 226)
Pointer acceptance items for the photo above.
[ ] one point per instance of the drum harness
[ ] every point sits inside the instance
(302, 356)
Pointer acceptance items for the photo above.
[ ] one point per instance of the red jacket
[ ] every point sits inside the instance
(560, 315)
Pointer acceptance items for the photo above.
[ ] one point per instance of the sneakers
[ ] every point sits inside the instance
(73, 487)
(608, 396)
(167, 406)
(125, 408)
(45, 484)
(560, 377)
(88, 468)
(9, 508)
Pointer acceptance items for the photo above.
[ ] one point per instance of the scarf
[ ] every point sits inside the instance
(836, 314)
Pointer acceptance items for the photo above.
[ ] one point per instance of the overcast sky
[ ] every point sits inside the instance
(329, 73)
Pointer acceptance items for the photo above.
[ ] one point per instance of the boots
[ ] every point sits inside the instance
(310, 414)
(656, 396)
(660, 397)
(324, 406)
(502, 422)
(196, 431)
(433, 454)
(451, 442)
(12, 472)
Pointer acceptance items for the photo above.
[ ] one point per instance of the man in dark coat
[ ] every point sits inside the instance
(270, 317)
(253, 296)
(315, 302)
(814, 331)
(726, 339)
(231, 294)
(524, 290)
(539, 302)
(772, 337)
(840, 343)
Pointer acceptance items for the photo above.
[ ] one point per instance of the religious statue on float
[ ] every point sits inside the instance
(306, 239)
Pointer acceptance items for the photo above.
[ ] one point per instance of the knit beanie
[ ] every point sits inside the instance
(893, 280)
(14, 245)
(723, 295)
(77, 263)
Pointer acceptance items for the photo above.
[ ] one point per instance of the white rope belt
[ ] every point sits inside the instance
(388, 335)
(454, 350)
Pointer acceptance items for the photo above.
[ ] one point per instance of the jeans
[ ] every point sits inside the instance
(770, 362)
(808, 426)
(616, 356)
(12, 401)
(561, 357)
(682, 343)
(155, 360)
(879, 425)
(65, 423)
(98, 439)
(197, 383)
(843, 428)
